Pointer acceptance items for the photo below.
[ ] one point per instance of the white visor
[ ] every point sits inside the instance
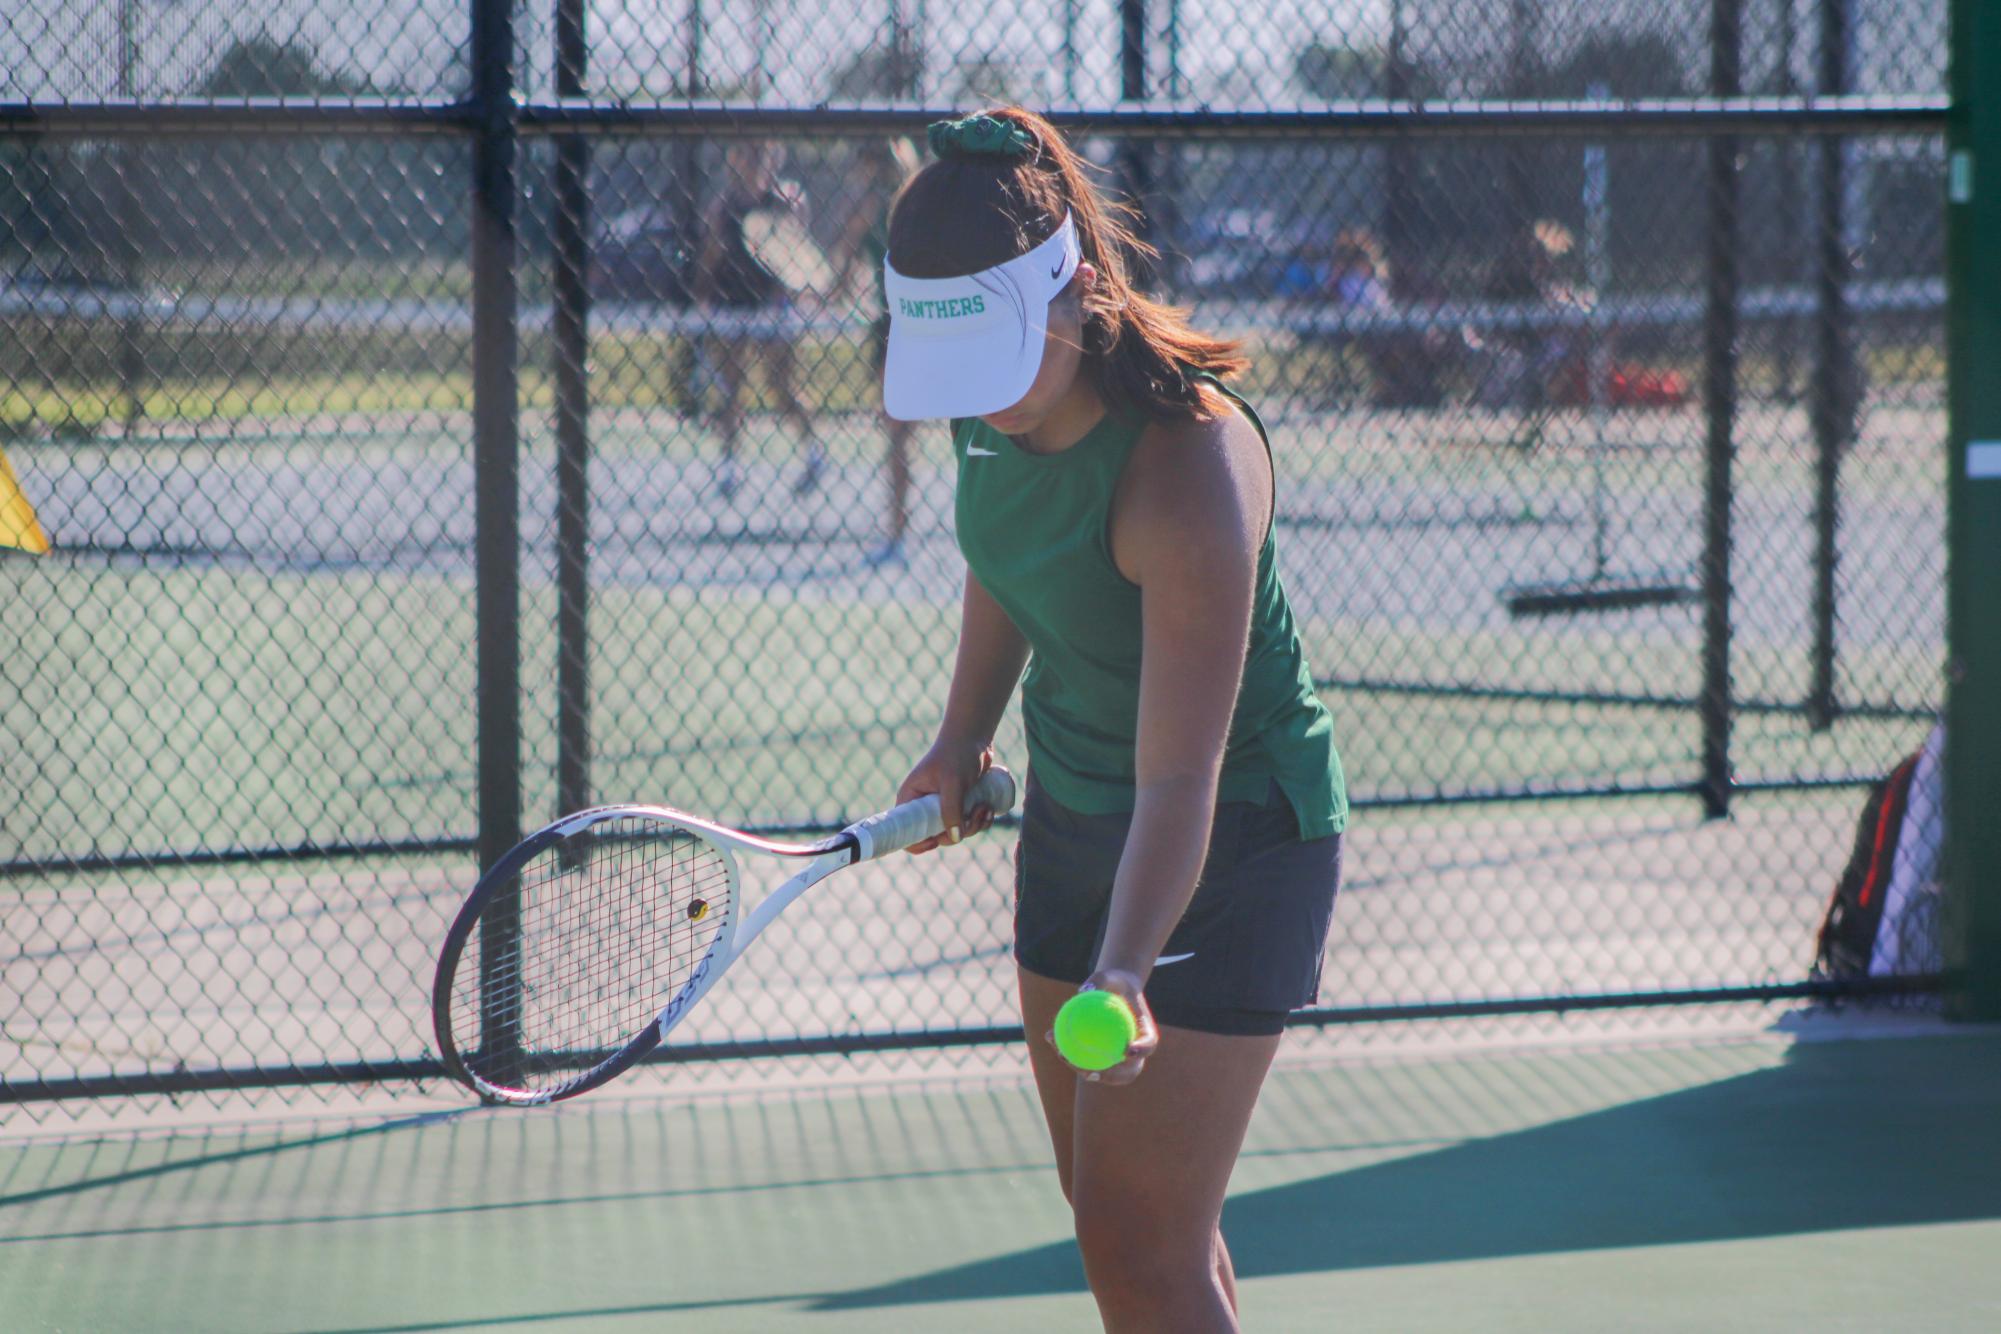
(969, 346)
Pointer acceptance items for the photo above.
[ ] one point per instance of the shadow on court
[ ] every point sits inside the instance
(845, 1208)
(1842, 1135)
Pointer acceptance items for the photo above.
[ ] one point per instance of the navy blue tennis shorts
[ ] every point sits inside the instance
(1245, 954)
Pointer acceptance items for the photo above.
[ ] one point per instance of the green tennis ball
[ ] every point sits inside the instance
(1093, 1030)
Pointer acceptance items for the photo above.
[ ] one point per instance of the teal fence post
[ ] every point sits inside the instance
(1973, 509)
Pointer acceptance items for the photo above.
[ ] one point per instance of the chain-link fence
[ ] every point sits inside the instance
(419, 462)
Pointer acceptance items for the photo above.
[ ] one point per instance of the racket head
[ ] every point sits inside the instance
(782, 244)
(611, 914)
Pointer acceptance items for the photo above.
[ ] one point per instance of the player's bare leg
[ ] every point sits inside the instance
(1145, 1166)
(781, 363)
(730, 358)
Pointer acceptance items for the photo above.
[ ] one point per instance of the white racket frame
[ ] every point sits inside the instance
(876, 836)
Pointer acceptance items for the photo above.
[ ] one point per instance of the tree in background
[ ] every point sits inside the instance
(1655, 223)
(262, 66)
(329, 199)
(35, 218)
(882, 71)
(1337, 72)
(1384, 196)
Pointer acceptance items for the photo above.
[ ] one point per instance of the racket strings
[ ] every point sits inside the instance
(600, 932)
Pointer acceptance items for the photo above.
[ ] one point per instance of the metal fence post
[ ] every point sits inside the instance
(128, 258)
(1836, 388)
(1524, 76)
(1720, 391)
(688, 189)
(1973, 510)
(571, 347)
(1397, 203)
(1136, 156)
(496, 462)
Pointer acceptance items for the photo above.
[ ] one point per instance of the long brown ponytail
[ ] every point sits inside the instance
(967, 212)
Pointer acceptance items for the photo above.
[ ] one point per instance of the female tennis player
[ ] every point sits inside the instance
(1180, 840)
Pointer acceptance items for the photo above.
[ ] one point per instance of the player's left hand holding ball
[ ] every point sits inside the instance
(1145, 1037)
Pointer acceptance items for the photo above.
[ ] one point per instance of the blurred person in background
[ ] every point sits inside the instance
(731, 278)
(1357, 277)
(1356, 286)
(1519, 362)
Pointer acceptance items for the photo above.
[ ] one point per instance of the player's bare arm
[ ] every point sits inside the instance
(1189, 521)
(992, 654)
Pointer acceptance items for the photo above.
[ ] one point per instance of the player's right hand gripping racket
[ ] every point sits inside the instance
(582, 947)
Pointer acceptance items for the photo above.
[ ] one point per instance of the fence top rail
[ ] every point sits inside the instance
(1903, 296)
(246, 116)
(1849, 114)
(1845, 114)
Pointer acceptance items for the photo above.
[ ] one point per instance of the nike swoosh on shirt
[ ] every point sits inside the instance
(1173, 958)
(974, 451)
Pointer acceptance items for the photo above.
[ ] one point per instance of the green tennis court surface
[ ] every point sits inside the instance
(1757, 1183)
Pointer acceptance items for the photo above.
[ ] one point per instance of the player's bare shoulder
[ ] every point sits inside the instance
(1203, 463)
(1201, 483)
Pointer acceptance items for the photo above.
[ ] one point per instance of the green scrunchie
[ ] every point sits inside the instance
(980, 135)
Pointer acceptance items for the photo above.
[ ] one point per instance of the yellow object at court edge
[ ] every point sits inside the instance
(1094, 1029)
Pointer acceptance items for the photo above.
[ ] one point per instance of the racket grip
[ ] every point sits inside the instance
(914, 821)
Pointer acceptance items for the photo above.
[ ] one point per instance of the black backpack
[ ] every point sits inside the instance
(1855, 929)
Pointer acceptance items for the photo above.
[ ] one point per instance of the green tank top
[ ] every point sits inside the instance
(1036, 531)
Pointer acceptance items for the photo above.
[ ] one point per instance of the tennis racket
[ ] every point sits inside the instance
(583, 947)
(781, 243)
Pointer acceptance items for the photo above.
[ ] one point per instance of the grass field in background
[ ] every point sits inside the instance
(201, 376)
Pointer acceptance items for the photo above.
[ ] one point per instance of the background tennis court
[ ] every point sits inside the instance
(318, 659)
